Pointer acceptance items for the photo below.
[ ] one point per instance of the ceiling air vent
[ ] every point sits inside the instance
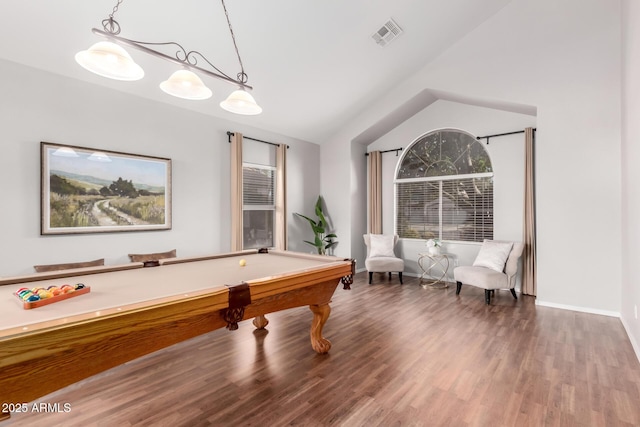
(389, 31)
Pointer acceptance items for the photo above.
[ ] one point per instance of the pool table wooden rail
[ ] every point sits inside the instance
(43, 359)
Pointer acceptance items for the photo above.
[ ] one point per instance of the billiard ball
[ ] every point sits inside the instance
(45, 294)
(242, 262)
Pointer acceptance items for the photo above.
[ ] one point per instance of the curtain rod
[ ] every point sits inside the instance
(388, 151)
(230, 134)
(500, 134)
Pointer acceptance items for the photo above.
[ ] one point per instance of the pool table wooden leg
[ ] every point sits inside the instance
(320, 315)
(260, 322)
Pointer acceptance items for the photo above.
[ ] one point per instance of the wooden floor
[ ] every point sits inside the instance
(402, 356)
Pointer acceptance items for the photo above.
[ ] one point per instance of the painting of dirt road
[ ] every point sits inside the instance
(85, 190)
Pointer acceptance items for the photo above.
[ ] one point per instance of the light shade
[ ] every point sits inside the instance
(241, 102)
(185, 84)
(99, 156)
(65, 152)
(109, 60)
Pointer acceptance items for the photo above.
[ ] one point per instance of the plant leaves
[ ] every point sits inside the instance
(312, 222)
(319, 213)
(318, 206)
(318, 228)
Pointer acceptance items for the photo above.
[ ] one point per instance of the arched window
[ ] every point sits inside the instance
(444, 189)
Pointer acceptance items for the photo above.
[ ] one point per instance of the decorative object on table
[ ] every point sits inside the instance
(322, 241)
(495, 267)
(85, 190)
(381, 257)
(38, 297)
(433, 246)
(109, 59)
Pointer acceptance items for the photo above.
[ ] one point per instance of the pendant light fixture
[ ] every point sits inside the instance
(187, 85)
(241, 102)
(109, 59)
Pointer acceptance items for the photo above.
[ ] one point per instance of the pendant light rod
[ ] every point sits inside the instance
(189, 60)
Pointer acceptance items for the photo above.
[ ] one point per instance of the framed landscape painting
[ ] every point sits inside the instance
(85, 190)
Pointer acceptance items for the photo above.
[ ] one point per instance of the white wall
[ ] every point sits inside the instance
(358, 185)
(38, 106)
(563, 58)
(507, 158)
(335, 187)
(631, 171)
(542, 53)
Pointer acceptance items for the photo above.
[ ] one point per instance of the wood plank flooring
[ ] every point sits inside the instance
(401, 356)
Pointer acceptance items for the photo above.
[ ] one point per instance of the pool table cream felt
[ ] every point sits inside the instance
(119, 320)
(114, 291)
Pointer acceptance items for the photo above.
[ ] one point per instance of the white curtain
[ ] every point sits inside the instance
(236, 192)
(281, 197)
(375, 192)
(529, 284)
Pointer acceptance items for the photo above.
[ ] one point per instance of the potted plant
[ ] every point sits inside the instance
(322, 241)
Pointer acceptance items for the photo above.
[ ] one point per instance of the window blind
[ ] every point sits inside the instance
(258, 204)
(417, 209)
(452, 209)
(258, 186)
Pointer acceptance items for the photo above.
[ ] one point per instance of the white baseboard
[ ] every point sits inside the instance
(410, 274)
(580, 309)
(634, 343)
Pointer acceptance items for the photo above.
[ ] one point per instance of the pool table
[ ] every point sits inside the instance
(137, 308)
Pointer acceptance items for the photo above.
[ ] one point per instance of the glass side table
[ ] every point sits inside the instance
(434, 270)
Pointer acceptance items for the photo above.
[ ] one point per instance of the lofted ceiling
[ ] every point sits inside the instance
(313, 64)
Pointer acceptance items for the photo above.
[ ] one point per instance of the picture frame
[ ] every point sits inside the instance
(87, 190)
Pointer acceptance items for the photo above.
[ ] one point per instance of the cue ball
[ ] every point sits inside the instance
(242, 262)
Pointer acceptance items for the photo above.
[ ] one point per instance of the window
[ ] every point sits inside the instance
(444, 189)
(258, 205)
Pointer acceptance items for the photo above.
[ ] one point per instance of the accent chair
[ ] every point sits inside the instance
(381, 257)
(495, 267)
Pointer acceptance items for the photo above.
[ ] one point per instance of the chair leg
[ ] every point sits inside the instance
(389, 275)
(513, 292)
(487, 296)
(400, 277)
(370, 276)
(458, 287)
